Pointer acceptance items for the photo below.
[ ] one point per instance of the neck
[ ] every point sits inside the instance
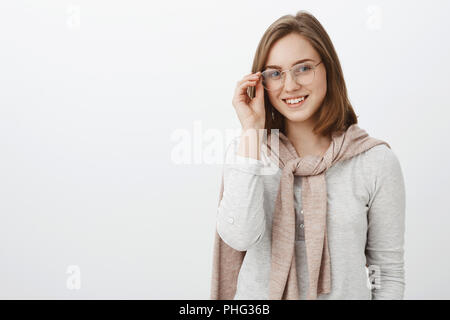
(304, 140)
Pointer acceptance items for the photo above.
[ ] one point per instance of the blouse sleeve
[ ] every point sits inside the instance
(240, 217)
(386, 228)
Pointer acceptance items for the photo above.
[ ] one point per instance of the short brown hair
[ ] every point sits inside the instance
(336, 112)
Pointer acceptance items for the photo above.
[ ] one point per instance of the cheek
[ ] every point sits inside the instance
(320, 86)
(274, 99)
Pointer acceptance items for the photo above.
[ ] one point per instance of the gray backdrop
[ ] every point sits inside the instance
(96, 98)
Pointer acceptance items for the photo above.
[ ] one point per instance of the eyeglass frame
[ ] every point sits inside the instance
(283, 78)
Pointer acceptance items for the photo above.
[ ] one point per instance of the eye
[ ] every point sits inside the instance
(303, 68)
(272, 74)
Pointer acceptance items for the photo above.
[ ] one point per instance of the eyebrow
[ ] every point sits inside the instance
(278, 67)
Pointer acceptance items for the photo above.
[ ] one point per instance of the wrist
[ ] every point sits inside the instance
(250, 143)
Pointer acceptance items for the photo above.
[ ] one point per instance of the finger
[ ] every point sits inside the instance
(246, 84)
(251, 76)
(240, 93)
(242, 90)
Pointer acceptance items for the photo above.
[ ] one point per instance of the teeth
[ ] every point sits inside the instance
(292, 101)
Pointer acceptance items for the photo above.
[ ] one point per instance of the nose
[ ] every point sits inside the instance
(290, 84)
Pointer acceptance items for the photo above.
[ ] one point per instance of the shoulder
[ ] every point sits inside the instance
(380, 158)
(381, 167)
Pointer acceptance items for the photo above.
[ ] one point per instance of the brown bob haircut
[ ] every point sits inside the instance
(336, 112)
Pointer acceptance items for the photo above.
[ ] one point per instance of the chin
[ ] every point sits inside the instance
(297, 115)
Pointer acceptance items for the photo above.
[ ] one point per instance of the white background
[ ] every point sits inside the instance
(91, 93)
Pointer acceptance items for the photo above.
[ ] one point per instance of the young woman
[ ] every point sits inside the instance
(334, 211)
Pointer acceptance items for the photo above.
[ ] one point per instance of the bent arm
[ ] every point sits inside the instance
(240, 218)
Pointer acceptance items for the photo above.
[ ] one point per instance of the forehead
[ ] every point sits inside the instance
(289, 49)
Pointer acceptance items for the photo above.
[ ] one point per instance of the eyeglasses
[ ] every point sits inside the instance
(302, 73)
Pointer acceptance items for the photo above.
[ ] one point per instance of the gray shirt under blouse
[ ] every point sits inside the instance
(365, 224)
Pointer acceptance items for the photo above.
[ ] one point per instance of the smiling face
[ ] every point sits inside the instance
(285, 53)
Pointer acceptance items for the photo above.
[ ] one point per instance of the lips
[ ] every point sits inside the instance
(297, 97)
(290, 105)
